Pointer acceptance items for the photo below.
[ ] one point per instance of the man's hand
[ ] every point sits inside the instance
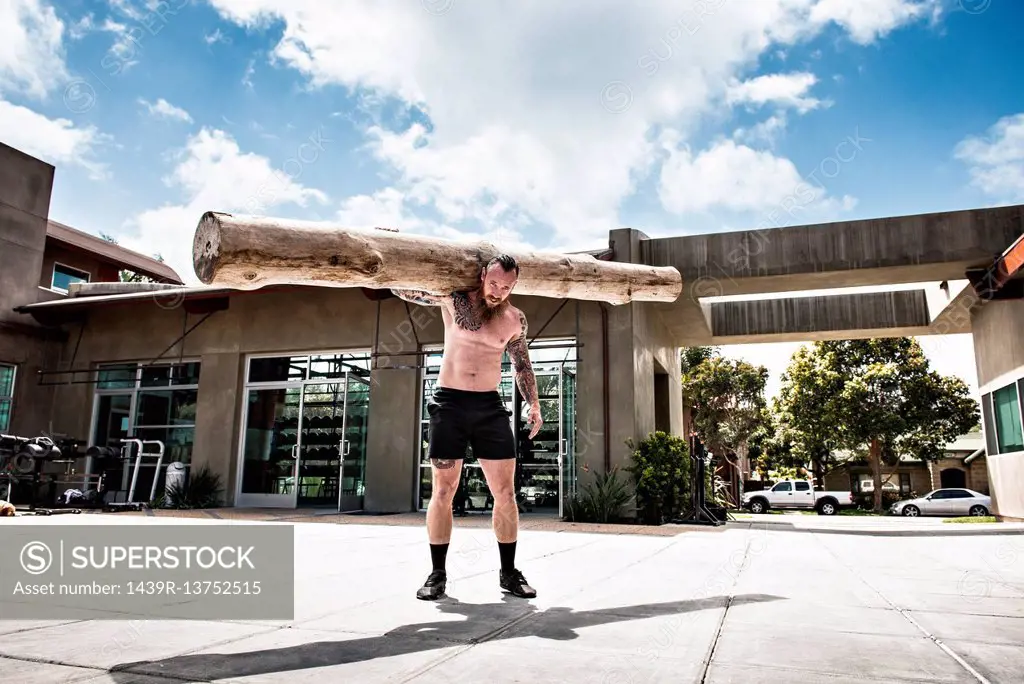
(535, 419)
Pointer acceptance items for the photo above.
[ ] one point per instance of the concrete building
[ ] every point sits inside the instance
(301, 396)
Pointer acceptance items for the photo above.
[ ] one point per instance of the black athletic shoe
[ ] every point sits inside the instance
(433, 588)
(514, 583)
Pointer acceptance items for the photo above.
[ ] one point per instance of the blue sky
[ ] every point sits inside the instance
(529, 124)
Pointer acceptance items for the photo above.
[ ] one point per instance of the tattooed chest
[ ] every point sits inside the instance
(466, 317)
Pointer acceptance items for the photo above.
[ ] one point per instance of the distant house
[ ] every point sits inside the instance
(963, 465)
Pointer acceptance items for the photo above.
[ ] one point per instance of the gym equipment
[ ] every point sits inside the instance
(249, 252)
(698, 514)
(130, 503)
(21, 462)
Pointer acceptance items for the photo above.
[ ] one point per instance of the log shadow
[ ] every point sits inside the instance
(516, 619)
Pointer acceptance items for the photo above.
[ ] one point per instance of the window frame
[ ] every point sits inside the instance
(9, 399)
(135, 389)
(1016, 385)
(67, 267)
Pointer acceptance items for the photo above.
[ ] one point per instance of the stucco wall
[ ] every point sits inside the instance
(313, 319)
(25, 185)
(99, 271)
(998, 329)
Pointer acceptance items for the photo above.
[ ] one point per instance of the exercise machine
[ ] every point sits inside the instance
(698, 514)
(21, 463)
(140, 454)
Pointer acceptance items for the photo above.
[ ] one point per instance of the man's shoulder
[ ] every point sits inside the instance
(515, 315)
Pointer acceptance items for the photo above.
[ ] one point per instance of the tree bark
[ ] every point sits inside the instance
(248, 252)
(875, 459)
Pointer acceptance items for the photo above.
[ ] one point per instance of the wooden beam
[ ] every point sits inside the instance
(247, 252)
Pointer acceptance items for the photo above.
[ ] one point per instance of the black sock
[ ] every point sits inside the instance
(438, 553)
(507, 551)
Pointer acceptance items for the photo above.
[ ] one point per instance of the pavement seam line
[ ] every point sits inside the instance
(100, 671)
(710, 655)
(905, 615)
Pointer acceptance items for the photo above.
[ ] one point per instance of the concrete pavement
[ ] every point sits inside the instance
(747, 603)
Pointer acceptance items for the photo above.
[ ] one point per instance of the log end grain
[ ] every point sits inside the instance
(206, 247)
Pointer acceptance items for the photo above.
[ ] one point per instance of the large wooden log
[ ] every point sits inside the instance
(248, 252)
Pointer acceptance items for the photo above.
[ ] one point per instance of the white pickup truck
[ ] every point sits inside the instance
(796, 494)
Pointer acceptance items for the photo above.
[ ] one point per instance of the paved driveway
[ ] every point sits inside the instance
(741, 604)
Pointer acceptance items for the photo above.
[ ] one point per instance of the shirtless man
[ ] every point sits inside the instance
(466, 408)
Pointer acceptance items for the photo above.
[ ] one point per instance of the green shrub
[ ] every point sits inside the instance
(203, 491)
(661, 471)
(601, 501)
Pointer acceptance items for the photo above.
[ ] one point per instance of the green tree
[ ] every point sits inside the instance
(878, 397)
(806, 388)
(771, 448)
(728, 404)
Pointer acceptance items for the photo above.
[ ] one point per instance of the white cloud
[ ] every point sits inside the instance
(766, 131)
(735, 178)
(996, 160)
(518, 129)
(31, 48)
(213, 173)
(216, 37)
(164, 108)
(388, 208)
(55, 141)
(784, 90)
(868, 20)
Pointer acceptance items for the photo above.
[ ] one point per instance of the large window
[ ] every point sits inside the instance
(148, 402)
(546, 467)
(6, 395)
(1007, 418)
(64, 276)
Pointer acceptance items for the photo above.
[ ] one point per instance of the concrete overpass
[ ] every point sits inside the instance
(968, 267)
(928, 248)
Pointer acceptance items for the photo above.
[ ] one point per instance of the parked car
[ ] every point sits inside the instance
(950, 501)
(797, 494)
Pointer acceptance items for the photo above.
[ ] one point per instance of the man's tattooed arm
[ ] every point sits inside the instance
(418, 297)
(519, 352)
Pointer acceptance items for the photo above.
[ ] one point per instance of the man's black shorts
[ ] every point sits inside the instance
(459, 418)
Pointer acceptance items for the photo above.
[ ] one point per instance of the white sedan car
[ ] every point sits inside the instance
(951, 501)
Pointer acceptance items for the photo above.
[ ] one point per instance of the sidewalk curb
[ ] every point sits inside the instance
(950, 530)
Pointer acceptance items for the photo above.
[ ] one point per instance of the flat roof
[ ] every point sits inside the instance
(87, 301)
(140, 263)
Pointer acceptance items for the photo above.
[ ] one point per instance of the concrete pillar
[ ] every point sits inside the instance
(216, 444)
(391, 443)
(998, 328)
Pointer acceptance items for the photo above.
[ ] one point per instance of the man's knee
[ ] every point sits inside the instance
(503, 493)
(446, 479)
(445, 491)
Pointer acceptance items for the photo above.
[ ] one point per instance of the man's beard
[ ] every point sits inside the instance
(486, 311)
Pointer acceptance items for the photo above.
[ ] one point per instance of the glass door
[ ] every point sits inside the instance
(271, 446)
(353, 443)
(323, 431)
(539, 487)
(567, 455)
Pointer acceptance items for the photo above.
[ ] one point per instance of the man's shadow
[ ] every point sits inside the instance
(517, 619)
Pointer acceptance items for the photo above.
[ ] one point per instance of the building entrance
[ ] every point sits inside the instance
(546, 469)
(304, 432)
